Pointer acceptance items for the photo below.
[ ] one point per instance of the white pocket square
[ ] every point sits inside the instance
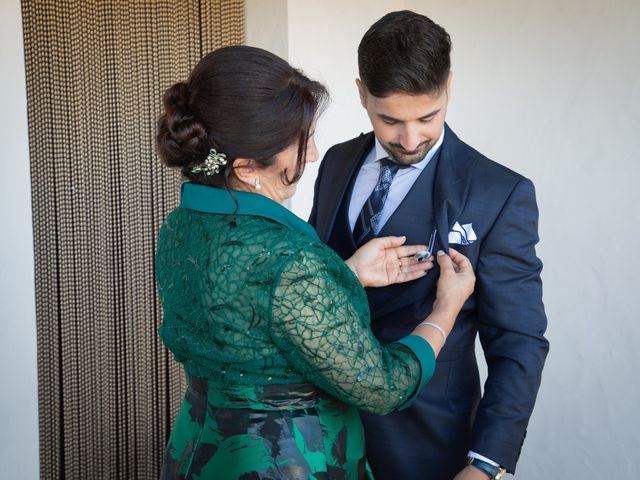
(462, 234)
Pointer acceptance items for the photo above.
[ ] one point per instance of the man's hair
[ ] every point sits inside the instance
(404, 52)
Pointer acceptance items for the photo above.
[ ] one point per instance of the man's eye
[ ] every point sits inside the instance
(389, 122)
(426, 120)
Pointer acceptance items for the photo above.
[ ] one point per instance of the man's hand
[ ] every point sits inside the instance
(386, 260)
(471, 473)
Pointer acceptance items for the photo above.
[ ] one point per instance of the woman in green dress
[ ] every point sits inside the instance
(271, 326)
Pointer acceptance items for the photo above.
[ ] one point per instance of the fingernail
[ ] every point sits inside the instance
(440, 252)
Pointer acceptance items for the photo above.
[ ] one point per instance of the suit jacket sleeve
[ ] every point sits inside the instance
(512, 323)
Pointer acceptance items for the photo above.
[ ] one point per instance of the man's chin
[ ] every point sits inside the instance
(409, 159)
(404, 158)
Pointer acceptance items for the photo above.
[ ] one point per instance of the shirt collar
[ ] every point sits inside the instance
(204, 198)
(381, 153)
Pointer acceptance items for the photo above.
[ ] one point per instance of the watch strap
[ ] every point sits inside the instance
(494, 473)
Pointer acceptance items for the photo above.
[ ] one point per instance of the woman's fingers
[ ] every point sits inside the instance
(462, 263)
(454, 260)
(410, 269)
(445, 262)
(397, 243)
(413, 265)
(456, 269)
(409, 250)
(388, 242)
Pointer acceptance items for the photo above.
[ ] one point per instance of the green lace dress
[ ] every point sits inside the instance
(273, 331)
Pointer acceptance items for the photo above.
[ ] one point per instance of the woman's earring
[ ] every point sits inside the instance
(258, 184)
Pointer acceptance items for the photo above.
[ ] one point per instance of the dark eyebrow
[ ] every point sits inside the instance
(430, 114)
(424, 117)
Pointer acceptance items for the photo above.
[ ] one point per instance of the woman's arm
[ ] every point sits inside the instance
(320, 322)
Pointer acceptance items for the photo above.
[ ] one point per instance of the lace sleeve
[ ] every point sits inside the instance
(320, 320)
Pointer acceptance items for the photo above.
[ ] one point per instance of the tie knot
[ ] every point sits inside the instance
(391, 165)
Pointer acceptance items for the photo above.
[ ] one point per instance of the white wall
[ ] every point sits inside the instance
(18, 360)
(323, 40)
(266, 25)
(552, 90)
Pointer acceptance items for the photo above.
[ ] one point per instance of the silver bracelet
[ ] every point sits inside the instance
(437, 327)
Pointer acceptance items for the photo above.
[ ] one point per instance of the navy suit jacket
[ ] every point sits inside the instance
(506, 310)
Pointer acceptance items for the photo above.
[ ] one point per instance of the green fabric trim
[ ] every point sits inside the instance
(204, 198)
(427, 359)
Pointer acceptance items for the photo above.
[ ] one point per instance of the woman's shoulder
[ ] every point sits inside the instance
(185, 222)
(311, 257)
(250, 233)
(256, 235)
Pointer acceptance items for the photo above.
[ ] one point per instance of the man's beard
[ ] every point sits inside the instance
(399, 155)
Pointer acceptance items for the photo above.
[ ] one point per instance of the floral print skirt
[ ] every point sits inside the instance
(264, 432)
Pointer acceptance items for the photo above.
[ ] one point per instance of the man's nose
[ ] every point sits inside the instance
(410, 139)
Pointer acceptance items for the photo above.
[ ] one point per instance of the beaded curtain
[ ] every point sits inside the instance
(96, 71)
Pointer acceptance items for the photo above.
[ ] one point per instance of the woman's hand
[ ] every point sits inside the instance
(386, 260)
(456, 282)
(454, 287)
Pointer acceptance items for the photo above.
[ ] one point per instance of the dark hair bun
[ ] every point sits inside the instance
(244, 102)
(182, 138)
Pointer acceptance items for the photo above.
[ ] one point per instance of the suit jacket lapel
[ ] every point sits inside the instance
(451, 186)
(336, 179)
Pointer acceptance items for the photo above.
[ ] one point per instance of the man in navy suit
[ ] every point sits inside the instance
(413, 176)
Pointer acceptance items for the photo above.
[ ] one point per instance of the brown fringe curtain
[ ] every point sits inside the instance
(96, 71)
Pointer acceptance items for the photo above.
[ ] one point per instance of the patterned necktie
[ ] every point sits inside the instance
(368, 222)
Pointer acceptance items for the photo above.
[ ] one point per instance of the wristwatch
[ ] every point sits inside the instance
(494, 473)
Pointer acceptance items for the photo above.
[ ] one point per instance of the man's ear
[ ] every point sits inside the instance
(245, 170)
(362, 92)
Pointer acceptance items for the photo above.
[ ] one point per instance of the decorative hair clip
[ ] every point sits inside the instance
(212, 163)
